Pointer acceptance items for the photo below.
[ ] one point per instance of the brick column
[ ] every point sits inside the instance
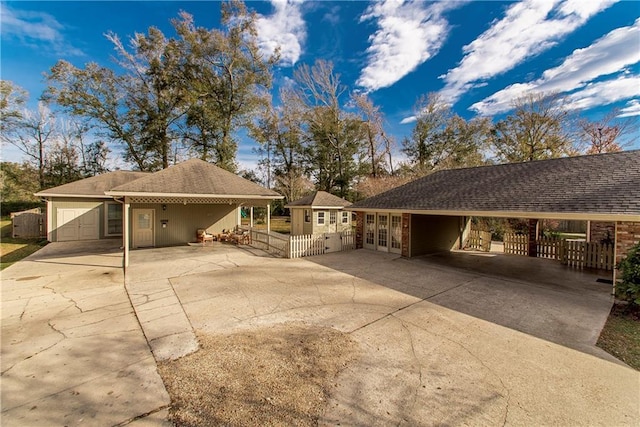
(533, 236)
(359, 229)
(600, 231)
(405, 234)
(627, 235)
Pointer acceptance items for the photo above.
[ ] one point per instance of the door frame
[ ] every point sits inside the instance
(387, 217)
(134, 226)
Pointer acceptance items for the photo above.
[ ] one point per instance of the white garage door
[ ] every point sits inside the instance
(78, 224)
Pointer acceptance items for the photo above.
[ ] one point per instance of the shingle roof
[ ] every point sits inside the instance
(320, 199)
(94, 186)
(601, 184)
(194, 177)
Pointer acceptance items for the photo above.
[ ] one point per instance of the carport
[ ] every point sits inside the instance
(433, 214)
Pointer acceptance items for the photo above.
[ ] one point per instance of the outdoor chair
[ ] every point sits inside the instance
(204, 237)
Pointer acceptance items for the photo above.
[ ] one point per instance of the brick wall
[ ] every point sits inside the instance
(405, 234)
(627, 235)
(359, 229)
(601, 230)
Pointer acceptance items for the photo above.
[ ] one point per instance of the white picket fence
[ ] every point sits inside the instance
(286, 246)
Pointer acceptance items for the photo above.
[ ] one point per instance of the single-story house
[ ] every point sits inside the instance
(319, 212)
(432, 214)
(163, 208)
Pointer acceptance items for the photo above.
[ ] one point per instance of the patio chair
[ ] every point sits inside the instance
(204, 237)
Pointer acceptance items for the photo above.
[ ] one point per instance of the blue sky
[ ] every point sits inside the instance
(478, 55)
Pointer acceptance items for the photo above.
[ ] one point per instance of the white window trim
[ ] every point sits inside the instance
(345, 217)
(306, 214)
(106, 219)
(323, 218)
(333, 217)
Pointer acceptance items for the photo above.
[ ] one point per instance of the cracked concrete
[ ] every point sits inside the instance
(438, 344)
(72, 350)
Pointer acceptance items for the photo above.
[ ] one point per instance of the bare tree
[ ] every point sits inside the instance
(537, 129)
(379, 145)
(606, 135)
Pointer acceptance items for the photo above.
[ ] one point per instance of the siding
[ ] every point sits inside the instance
(184, 220)
(328, 228)
(73, 203)
(433, 233)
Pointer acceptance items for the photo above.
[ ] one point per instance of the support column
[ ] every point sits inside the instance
(268, 217)
(359, 229)
(125, 232)
(533, 237)
(251, 217)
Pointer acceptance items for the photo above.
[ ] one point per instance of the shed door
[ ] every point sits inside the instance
(143, 228)
(78, 224)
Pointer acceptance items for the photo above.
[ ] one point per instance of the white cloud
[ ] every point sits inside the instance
(285, 28)
(408, 120)
(409, 33)
(38, 30)
(608, 55)
(528, 28)
(604, 93)
(632, 109)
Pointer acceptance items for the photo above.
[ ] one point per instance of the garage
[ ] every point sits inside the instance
(78, 224)
(432, 214)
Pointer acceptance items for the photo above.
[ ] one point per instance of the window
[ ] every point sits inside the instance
(345, 217)
(307, 215)
(320, 218)
(113, 219)
(370, 223)
(332, 217)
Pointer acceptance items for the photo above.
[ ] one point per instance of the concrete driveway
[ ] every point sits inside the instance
(73, 352)
(420, 362)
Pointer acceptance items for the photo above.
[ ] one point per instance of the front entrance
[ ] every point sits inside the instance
(78, 224)
(143, 235)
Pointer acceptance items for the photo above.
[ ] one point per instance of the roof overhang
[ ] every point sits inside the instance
(313, 207)
(577, 216)
(74, 196)
(193, 195)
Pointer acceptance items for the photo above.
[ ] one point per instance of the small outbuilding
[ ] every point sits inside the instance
(319, 212)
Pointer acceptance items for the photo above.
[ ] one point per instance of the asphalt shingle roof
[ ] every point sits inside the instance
(320, 198)
(95, 185)
(195, 177)
(602, 183)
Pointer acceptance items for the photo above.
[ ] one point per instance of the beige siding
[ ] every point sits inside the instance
(327, 227)
(182, 221)
(72, 203)
(432, 233)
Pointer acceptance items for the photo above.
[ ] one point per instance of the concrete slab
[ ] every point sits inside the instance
(72, 349)
(420, 363)
(536, 296)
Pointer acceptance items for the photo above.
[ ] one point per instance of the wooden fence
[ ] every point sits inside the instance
(516, 244)
(28, 224)
(587, 254)
(286, 246)
(574, 253)
(480, 240)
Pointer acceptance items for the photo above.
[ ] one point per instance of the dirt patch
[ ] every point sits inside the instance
(276, 376)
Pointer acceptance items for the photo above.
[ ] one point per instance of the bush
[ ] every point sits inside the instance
(629, 286)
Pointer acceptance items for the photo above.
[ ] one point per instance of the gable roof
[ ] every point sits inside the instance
(584, 187)
(194, 177)
(94, 186)
(319, 199)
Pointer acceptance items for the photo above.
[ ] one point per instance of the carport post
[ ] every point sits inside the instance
(251, 217)
(533, 237)
(125, 232)
(268, 217)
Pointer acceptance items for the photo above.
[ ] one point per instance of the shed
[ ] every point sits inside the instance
(319, 212)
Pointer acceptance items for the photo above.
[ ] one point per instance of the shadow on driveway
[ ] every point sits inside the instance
(536, 296)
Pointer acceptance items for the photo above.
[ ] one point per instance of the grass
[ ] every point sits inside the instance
(13, 250)
(621, 335)
(279, 224)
